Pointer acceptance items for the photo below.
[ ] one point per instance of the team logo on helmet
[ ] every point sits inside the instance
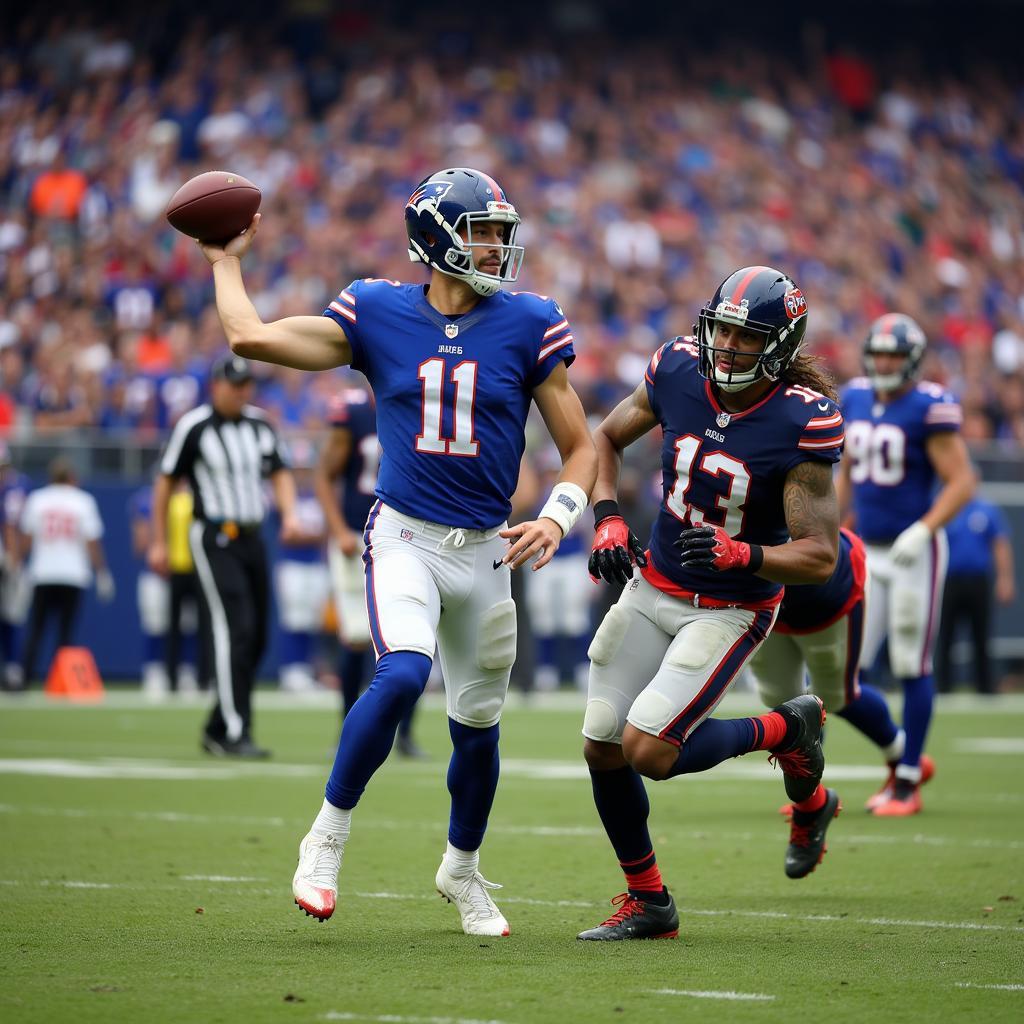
(796, 304)
(434, 191)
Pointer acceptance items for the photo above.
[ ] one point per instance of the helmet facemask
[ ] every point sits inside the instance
(895, 334)
(769, 363)
(458, 257)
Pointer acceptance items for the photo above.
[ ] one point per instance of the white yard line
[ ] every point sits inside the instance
(743, 997)
(990, 745)
(129, 699)
(994, 988)
(771, 826)
(397, 1018)
(692, 911)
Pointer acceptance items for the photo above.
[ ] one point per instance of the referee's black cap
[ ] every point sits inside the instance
(231, 368)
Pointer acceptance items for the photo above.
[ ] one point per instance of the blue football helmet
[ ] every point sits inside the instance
(762, 300)
(439, 218)
(894, 333)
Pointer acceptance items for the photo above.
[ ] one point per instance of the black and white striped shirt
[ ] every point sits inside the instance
(225, 461)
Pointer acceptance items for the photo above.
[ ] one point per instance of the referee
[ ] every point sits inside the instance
(225, 448)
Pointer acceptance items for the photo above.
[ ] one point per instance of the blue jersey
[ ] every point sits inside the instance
(310, 517)
(452, 393)
(971, 535)
(353, 411)
(14, 488)
(892, 477)
(728, 469)
(810, 607)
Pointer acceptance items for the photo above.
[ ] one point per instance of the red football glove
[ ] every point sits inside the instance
(710, 547)
(615, 549)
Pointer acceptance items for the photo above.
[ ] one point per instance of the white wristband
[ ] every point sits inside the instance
(565, 505)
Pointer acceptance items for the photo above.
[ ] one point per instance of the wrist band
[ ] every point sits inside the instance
(605, 509)
(565, 505)
(756, 558)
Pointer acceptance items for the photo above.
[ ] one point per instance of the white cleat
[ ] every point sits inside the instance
(479, 914)
(315, 885)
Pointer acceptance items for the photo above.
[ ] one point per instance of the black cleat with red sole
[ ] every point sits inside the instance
(801, 758)
(807, 830)
(636, 919)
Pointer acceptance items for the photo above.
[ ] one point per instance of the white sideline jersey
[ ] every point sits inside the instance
(61, 520)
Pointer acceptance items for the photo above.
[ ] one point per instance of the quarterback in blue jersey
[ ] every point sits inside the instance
(345, 478)
(454, 366)
(750, 434)
(902, 441)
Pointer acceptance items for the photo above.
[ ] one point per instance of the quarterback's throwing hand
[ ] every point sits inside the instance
(615, 549)
(710, 547)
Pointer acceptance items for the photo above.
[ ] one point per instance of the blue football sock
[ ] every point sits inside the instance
(869, 713)
(472, 781)
(621, 800)
(918, 694)
(152, 648)
(713, 741)
(370, 726)
(295, 647)
(352, 669)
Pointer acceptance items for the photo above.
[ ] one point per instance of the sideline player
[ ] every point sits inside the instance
(454, 366)
(903, 436)
(819, 633)
(15, 590)
(152, 597)
(344, 482)
(750, 433)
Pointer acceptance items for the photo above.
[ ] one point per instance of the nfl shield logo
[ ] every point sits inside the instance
(451, 330)
(406, 534)
(723, 419)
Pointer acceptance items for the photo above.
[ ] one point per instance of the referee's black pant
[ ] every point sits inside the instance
(233, 582)
(967, 600)
(49, 600)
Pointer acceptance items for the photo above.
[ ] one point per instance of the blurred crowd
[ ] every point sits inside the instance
(644, 174)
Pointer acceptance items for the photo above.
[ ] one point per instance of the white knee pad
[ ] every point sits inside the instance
(826, 664)
(906, 639)
(154, 597)
(701, 643)
(601, 722)
(609, 636)
(496, 642)
(651, 711)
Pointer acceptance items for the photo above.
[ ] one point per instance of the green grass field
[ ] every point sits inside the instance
(141, 881)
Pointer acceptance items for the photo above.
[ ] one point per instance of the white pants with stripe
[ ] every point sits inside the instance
(903, 604)
(348, 587)
(426, 589)
(301, 589)
(662, 665)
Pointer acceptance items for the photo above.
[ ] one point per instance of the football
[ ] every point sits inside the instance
(214, 207)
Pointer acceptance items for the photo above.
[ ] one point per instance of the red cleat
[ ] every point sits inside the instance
(888, 790)
(904, 802)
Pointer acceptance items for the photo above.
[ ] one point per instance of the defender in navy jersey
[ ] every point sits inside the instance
(750, 434)
(345, 478)
(454, 366)
(818, 636)
(903, 441)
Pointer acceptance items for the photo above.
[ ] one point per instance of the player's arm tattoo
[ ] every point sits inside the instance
(810, 502)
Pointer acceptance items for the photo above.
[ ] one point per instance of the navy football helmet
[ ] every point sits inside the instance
(894, 333)
(439, 218)
(762, 300)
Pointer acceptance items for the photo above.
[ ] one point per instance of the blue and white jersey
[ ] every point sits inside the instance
(452, 393)
(14, 488)
(892, 477)
(352, 410)
(728, 469)
(310, 517)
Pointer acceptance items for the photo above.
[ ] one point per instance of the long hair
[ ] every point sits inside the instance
(809, 372)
